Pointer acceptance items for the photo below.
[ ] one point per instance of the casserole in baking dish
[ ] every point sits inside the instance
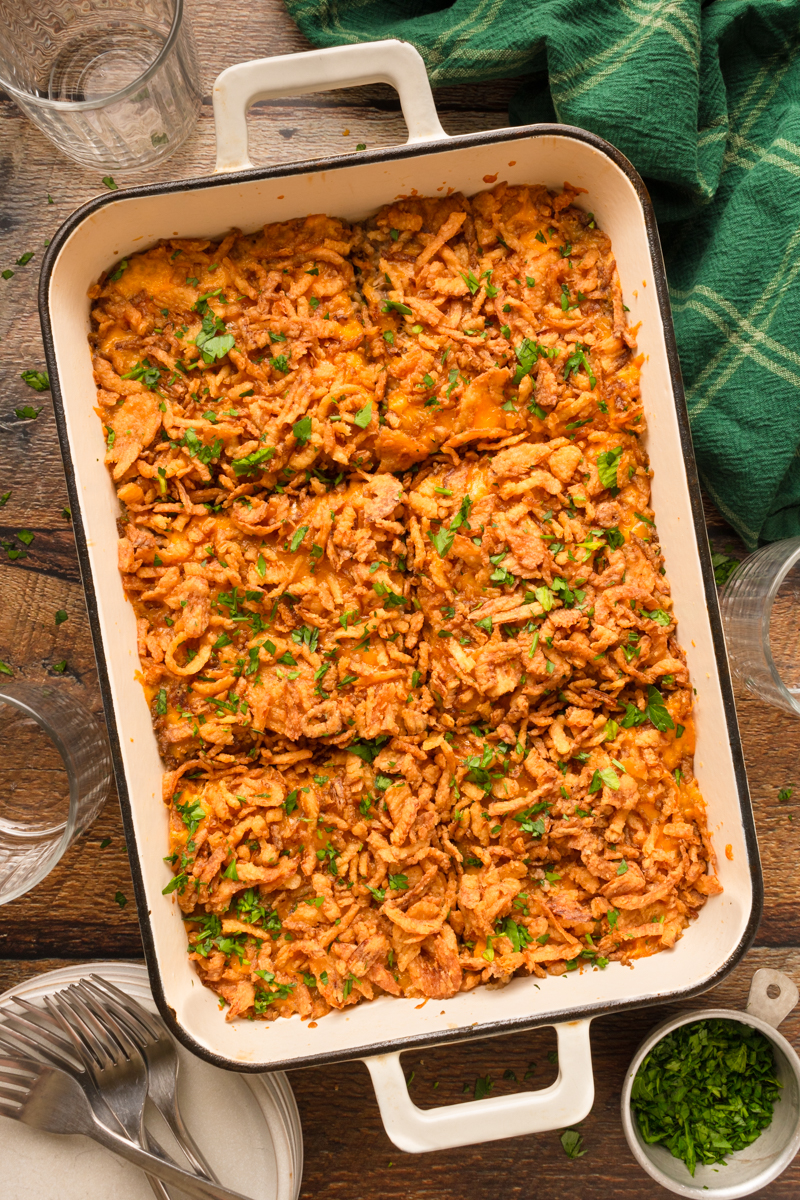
(112, 227)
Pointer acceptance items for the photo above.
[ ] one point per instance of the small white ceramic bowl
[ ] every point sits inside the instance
(772, 996)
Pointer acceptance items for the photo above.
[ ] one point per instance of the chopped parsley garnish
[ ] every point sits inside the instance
(198, 448)
(578, 358)
(389, 598)
(190, 814)
(144, 373)
(527, 353)
(27, 413)
(363, 416)
(396, 306)
(656, 710)
(297, 538)
(212, 342)
(368, 751)
(608, 466)
(607, 776)
(302, 430)
(706, 1090)
(442, 540)
(252, 462)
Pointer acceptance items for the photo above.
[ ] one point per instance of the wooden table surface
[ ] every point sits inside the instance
(73, 915)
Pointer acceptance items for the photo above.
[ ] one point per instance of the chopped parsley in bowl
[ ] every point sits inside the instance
(706, 1090)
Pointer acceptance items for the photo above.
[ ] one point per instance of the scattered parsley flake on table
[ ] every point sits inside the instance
(60, 667)
(4, 499)
(572, 1141)
(38, 380)
(108, 180)
(61, 617)
(121, 899)
(5, 669)
(724, 566)
(27, 412)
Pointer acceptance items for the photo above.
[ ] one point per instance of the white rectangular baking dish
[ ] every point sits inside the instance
(351, 187)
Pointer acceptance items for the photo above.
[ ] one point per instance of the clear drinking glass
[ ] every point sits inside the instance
(55, 769)
(761, 614)
(113, 83)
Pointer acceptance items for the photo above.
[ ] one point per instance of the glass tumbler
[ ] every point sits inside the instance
(761, 614)
(55, 769)
(113, 83)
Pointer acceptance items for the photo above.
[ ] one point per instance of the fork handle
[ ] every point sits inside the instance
(151, 1164)
(171, 1114)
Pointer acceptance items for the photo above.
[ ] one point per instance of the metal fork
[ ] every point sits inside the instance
(150, 1035)
(111, 1061)
(47, 1098)
(41, 1036)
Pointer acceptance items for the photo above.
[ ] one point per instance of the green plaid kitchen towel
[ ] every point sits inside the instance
(704, 99)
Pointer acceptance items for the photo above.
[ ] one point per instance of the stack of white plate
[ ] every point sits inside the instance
(247, 1126)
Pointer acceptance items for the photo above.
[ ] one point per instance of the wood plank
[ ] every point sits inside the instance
(73, 915)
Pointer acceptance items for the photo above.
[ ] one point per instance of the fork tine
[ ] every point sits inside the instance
(135, 1013)
(104, 1020)
(33, 1036)
(22, 1066)
(97, 1018)
(37, 1014)
(114, 1012)
(44, 1020)
(84, 1045)
(16, 1042)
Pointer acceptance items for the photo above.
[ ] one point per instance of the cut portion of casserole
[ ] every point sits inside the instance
(497, 316)
(255, 346)
(404, 621)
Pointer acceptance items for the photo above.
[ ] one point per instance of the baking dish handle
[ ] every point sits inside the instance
(392, 61)
(417, 1130)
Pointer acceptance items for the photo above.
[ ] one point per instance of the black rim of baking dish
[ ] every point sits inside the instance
(504, 1025)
